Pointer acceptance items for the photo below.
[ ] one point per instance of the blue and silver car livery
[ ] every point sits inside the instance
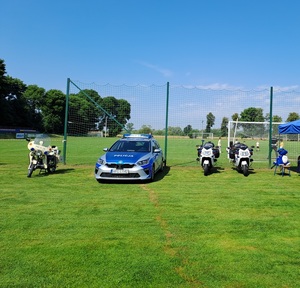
(134, 157)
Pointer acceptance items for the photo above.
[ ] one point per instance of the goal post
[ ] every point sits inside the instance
(256, 134)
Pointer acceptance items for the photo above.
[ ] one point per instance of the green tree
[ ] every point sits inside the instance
(84, 112)
(13, 112)
(95, 112)
(275, 118)
(129, 127)
(210, 121)
(53, 111)
(175, 131)
(252, 114)
(3, 93)
(224, 126)
(34, 97)
(235, 117)
(146, 129)
(187, 130)
(292, 117)
(118, 113)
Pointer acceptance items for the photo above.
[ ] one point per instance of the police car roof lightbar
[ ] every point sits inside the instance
(147, 136)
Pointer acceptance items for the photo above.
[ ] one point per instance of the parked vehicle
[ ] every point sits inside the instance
(134, 157)
(207, 154)
(240, 155)
(42, 155)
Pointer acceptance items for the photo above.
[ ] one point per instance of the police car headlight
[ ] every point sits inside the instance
(100, 161)
(143, 162)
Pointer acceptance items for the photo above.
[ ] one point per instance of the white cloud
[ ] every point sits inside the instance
(279, 88)
(165, 72)
(213, 86)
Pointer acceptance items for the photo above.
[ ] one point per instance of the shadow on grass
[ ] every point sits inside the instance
(63, 171)
(250, 171)
(294, 169)
(214, 170)
(160, 175)
(38, 173)
(286, 171)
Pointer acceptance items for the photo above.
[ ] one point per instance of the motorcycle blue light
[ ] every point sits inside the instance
(32, 149)
(45, 152)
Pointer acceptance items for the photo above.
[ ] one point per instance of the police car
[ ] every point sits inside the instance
(133, 157)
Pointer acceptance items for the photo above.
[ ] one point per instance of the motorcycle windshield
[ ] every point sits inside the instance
(43, 140)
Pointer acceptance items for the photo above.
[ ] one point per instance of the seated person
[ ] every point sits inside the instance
(282, 158)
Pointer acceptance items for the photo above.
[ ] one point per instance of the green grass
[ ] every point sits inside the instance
(182, 230)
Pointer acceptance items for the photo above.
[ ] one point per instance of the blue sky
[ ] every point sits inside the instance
(221, 43)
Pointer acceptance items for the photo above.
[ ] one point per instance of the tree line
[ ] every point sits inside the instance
(31, 106)
(250, 114)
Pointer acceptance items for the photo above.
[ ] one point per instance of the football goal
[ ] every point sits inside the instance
(256, 135)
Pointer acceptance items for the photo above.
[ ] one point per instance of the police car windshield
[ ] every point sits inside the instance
(131, 146)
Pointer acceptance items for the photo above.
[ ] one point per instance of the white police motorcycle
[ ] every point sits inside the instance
(240, 155)
(207, 156)
(42, 155)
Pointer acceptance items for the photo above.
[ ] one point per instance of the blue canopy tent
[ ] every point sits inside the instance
(289, 128)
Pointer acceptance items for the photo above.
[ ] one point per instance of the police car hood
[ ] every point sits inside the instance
(124, 157)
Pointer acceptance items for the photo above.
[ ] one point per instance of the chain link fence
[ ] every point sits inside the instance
(170, 110)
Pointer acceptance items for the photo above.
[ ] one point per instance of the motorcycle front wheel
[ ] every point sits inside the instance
(245, 170)
(51, 165)
(30, 170)
(206, 169)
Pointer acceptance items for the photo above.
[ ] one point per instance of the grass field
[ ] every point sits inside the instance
(182, 230)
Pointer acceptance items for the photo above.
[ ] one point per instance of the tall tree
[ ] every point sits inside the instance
(175, 131)
(224, 126)
(84, 112)
(3, 89)
(53, 111)
(210, 121)
(187, 130)
(252, 114)
(15, 114)
(34, 97)
(118, 114)
(129, 127)
(293, 116)
(235, 117)
(146, 129)
(275, 118)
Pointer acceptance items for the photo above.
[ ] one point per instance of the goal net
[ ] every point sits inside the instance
(256, 135)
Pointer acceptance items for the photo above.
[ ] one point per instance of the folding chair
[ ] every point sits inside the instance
(283, 167)
(283, 163)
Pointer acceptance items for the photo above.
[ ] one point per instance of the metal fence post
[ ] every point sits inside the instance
(66, 122)
(166, 126)
(270, 127)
